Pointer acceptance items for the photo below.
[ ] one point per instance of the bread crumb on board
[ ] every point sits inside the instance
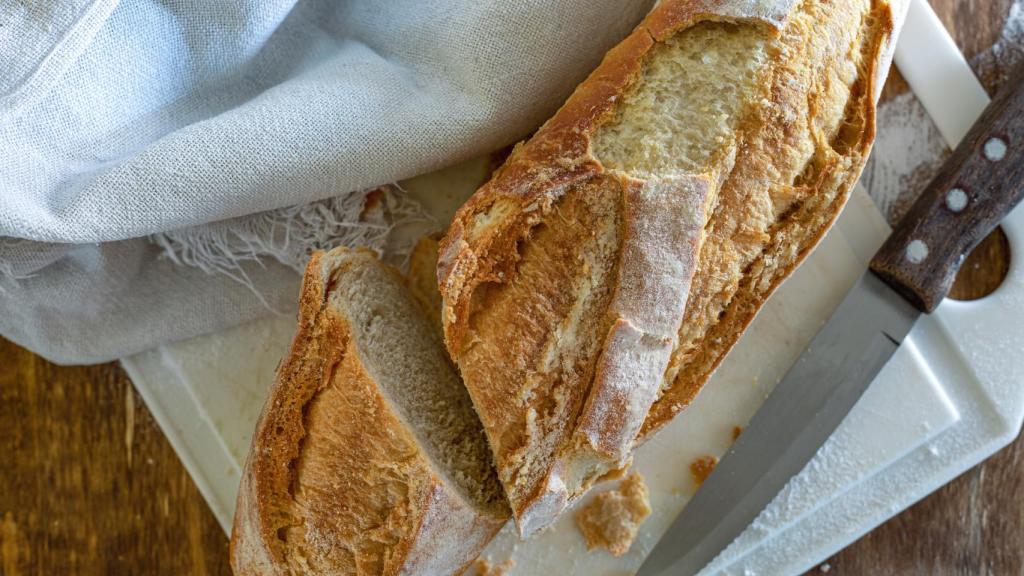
(702, 467)
(483, 567)
(736, 431)
(612, 518)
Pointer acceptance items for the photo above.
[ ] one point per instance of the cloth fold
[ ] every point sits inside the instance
(125, 123)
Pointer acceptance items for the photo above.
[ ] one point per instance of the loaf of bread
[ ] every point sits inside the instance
(593, 284)
(368, 457)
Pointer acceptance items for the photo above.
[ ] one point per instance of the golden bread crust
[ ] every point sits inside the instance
(336, 482)
(422, 277)
(561, 377)
(719, 311)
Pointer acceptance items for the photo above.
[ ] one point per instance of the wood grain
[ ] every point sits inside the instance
(984, 269)
(89, 485)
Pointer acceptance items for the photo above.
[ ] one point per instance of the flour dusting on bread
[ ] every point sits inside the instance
(579, 322)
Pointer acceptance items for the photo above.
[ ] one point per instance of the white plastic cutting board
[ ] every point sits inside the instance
(950, 397)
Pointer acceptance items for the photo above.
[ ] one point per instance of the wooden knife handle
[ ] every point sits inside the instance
(975, 189)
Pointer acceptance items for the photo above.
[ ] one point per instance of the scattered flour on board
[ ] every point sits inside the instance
(908, 149)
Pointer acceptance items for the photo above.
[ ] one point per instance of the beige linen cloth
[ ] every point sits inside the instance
(167, 165)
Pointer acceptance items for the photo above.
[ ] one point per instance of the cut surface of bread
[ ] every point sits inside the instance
(368, 457)
(593, 284)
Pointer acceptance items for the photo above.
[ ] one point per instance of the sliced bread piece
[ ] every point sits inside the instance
(618, 254)
(368, 457)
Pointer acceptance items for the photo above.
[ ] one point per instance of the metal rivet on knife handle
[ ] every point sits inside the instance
(956, 199)
(995, 149)
(976, 189)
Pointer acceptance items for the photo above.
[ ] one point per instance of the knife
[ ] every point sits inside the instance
(910, 274)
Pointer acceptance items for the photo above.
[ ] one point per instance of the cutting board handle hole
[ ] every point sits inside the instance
(984, 269)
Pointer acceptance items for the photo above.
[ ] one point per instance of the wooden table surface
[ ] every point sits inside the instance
(89, 484)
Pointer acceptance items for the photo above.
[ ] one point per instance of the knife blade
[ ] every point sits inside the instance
(909, 275)
(787, 431)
